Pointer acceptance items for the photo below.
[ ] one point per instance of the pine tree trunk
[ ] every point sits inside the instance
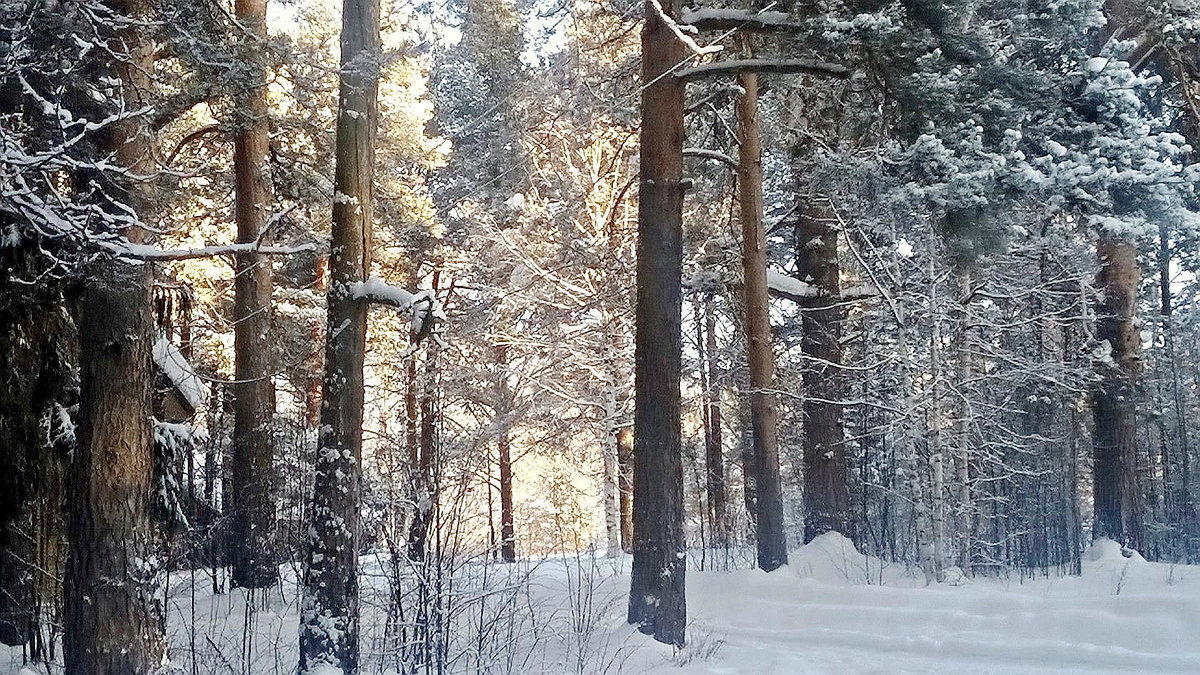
(329, 617)
(764, 418)
(656, 595)
(1118, 508)
(113, 623)
(826, 494)
(252, 537)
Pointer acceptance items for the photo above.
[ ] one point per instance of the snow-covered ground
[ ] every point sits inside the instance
(831, 611)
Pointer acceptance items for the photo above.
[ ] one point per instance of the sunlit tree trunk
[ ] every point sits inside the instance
(252, 537)
(329, 615)
(764, 418)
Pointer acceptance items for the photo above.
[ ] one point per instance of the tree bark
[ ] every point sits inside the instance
(113, 623)
(1118, 509)
(252, 537)
(770, 539)
(826, 494)
(329, 616)
(656, 596)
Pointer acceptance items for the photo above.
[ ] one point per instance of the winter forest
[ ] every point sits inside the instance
(599, 336)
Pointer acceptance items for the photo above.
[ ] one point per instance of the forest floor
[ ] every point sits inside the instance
(831, 610)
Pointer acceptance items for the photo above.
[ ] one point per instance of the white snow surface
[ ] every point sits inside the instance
(832, 610)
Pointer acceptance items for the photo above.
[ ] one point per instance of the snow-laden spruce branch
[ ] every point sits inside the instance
(707, 18)
(769, 66)
(423, 309)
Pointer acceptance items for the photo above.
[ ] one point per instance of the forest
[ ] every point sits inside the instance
(598, 336)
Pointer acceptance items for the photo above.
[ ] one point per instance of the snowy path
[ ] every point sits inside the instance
(811, 619)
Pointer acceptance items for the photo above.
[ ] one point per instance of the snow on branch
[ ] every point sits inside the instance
(680, 33)
(706, 18)
(145, 252)
(775, 66)
(716, 155)
(783, 286)
(425, 313)
(794, 289)
(178, 371)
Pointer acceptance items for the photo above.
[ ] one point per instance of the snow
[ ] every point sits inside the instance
(681, 32)
(175, 366)
(782, 283)
(691, 15)
(832, 609)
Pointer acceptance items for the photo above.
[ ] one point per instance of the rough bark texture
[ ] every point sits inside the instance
(764, 418)
(113, 623)
(1118, 510)
(656, 595)
(826, 494)
(252, 537)
(329, 616)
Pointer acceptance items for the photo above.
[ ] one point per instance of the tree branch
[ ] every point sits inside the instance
(770, 66)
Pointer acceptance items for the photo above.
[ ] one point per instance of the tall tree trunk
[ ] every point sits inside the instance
(329, 619)
(770, 539)
(965, 508)
(937, 451)
(826, 494)
(113, 623)
(714, 460)
(656, 594)
(252, 537)
(1118, 511)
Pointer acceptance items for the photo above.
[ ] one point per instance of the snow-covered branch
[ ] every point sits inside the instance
(716, 155)
(783, 286)
(705, 18)
(425, 313)
(145, 252)
(680, 32)
(775, 66)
